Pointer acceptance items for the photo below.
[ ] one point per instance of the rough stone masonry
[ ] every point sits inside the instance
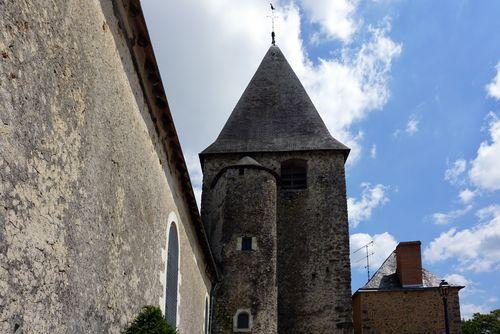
(87, 186)
(276, 126)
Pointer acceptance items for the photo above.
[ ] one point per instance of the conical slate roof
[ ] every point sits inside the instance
(274, 114)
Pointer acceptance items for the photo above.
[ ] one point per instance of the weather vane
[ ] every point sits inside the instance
(273, 35)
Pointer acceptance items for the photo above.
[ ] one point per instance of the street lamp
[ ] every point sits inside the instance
(444, 290)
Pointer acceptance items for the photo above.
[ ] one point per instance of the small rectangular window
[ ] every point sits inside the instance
(243, 321)
(246, 243)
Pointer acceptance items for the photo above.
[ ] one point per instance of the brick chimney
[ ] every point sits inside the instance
(409, 263)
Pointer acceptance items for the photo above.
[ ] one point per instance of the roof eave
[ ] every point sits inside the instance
(133, 24)
(360, 290)
(206, 152)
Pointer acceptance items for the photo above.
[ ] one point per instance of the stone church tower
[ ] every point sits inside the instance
(275, 209)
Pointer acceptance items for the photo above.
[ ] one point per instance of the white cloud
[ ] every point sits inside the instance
(345, 90)
(371, 198)
(411, 127)
(493, 88)
(485, 170)
(476, 248)
(453, 173)
(457, 279)
(441, 218)
(383, 245)
(373, 151)
(467, 196)
(467, 310)
(335, 17)
(214, 48)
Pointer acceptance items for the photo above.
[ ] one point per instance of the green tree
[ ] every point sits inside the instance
(149, 321)
(482, 323)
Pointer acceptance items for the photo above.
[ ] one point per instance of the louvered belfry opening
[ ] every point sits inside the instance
(172, 277)
(294, 174)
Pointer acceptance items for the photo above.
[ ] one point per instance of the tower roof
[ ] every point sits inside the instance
(274, 114)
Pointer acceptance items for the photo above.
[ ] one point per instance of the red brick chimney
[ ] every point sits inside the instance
(409, 263)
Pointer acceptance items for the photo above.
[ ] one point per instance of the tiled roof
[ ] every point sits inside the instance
(386, 277)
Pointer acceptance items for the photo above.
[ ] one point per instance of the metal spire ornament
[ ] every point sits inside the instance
(273, 35)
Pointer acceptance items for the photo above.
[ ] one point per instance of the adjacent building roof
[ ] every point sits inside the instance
(386, 277)
(274, 114)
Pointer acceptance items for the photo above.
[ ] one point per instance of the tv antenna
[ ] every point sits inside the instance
(272, 16)
(369, 252)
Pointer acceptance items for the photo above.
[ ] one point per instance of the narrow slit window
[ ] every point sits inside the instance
(294, 174)
(172, 277)
(206, 316)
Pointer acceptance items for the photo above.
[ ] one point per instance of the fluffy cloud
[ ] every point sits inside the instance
(371, 198)
(467, 196)
(485, 170)
(476, 248)
(208, 51)
(335, 17)
(383, 245)
(411, 127)
(345, 90)
(453, 173)
(493, 88)
(457, 279)
(441, 218)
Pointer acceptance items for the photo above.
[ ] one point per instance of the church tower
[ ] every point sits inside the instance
(275, 209)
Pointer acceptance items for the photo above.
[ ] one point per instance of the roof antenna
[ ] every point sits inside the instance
(367, 256)
(273, 35)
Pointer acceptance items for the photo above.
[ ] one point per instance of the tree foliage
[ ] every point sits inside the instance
(482, 323)
(149, 321)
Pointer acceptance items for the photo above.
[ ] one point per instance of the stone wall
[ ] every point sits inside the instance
(86, 190)
(314, 290)
(248, 209)
(408, 312)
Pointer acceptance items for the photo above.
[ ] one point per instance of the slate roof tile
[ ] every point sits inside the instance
(386, 278)
(274, 114)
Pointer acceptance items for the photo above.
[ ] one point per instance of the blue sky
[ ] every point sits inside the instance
(410, 86)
